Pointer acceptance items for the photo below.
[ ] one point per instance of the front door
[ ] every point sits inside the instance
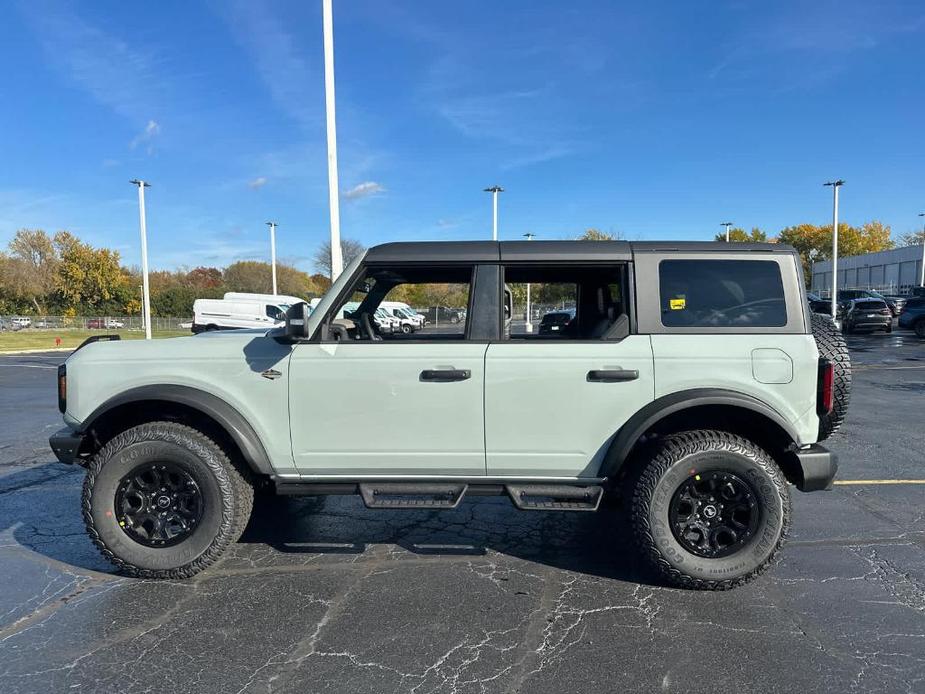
(379, 404)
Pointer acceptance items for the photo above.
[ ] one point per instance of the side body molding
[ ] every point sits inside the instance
(672, 403)
(232, 421)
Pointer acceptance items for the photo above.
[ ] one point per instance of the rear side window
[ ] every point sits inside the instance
(721, 294)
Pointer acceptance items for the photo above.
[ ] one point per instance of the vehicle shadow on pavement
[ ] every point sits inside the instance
(599, 544)
(40, 511)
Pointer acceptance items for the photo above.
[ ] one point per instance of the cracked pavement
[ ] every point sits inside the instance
(324, 595)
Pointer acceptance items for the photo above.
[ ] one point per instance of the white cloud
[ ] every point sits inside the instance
(152, 130)
(257, 183)
(363, 190)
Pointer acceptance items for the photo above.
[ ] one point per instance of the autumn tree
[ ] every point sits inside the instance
(738, 234)
(814, 242)
(87, 278)
(598, 235)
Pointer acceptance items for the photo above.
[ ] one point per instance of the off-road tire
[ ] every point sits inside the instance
(671, 465)
(227, 499)
(831, 345)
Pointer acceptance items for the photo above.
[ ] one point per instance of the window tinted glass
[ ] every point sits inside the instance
(721, 293)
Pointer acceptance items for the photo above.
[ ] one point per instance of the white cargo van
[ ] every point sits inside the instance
(404, 313)
(229, 314)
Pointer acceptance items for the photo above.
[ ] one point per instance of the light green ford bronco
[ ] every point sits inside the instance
(688, 380)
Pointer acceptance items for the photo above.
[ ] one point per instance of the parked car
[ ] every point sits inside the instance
(21, 321)
(916, 292)
(105, 324)
(6, 325)
(556, 322)
(402, 311)
(896, 303)
(866, 314)
(913, 316)
(848, 294)
(704, 393)
(817, 304)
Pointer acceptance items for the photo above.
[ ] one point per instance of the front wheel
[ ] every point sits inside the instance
(162, 500)
(711, 510)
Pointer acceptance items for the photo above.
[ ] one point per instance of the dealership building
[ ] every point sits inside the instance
(890, 272)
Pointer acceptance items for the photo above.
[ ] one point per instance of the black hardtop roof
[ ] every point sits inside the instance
(545, 251)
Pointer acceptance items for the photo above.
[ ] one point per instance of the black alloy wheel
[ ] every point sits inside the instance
(158, 504)
(714, 514)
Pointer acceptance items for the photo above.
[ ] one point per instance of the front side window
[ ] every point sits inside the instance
(566, 303)
(442, 292)
(275, 312)
(721, 294)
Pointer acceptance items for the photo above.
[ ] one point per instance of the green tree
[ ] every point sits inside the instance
(739, 235)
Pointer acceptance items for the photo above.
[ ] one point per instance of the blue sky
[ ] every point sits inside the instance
(653, 119)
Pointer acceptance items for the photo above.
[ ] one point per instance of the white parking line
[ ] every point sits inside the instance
(856, 483)
(29, 366)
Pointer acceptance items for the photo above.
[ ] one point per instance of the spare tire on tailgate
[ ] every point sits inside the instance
(832, 346)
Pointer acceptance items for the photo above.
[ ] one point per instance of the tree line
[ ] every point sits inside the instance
(61, 275)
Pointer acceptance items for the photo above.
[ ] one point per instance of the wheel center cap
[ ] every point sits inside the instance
(710, 511)
(163, 501)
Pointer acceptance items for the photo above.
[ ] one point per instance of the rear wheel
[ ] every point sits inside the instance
(711, 510)
(162, 500)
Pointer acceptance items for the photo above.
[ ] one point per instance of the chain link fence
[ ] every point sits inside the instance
(101, 323)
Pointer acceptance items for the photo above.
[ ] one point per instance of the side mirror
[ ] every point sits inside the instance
(297, 321)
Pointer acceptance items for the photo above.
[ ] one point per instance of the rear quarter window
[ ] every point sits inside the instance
(721, 294)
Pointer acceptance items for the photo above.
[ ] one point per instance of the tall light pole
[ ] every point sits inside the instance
(727, 225)
(835, 186)
(146, 299)
(272, 226)
(337, 258)
(922, 269)
(529, 326)
(494, 190)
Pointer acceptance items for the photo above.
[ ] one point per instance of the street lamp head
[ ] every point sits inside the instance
(726, 224)
(494, 189)
(837, 183)
(272, 224)
(529, 236)
(137, 182)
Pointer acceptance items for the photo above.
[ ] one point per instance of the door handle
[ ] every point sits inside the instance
(445, 375)
(613, 375)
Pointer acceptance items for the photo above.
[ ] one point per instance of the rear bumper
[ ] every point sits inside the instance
(66, 444)
(818, 467)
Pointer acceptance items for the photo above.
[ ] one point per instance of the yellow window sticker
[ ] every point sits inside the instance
(677, 304)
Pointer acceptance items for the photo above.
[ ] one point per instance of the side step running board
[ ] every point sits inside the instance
(422, 495)
(555, 497)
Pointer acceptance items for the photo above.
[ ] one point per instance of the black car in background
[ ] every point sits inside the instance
(556, 322)
(865, 314)
(817, 304)
(848, 294)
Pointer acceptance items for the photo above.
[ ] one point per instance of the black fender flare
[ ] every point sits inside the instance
(622, 443)
(227, 417)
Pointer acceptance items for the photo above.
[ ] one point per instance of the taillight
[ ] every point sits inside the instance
(62, 388)
(825, 395)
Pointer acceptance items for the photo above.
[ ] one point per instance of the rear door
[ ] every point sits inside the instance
(553, 401)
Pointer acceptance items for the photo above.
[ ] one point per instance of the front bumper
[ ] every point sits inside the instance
(65, 444)
(817, 466)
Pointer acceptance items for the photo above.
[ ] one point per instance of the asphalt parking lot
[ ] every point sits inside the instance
(324, 595)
